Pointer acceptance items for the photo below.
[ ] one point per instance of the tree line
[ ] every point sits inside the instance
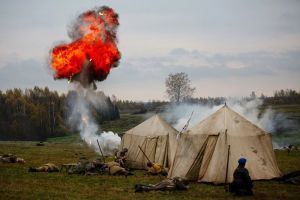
(38, 113)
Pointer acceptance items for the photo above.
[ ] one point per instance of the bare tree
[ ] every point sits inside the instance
(179, 87)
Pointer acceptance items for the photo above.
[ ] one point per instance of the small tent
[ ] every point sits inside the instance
(156, 138)
(209, 151)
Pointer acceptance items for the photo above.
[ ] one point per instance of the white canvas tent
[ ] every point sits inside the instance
(157, 139)
(209, 151)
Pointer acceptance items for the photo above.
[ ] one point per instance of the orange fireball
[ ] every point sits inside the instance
(95, 40)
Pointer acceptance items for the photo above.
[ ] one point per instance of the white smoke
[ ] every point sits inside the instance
(178, 115)
(82, 119)
(278, 124)
(250, 110)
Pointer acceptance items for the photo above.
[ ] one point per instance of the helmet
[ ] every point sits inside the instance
(242, 161)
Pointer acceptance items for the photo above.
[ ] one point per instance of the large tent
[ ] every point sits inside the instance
(156, 138)
(209, 151)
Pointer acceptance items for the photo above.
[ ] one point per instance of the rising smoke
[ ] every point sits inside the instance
(81, 118)
(272, 122)
(89, 57)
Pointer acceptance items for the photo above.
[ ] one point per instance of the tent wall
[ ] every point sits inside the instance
(156, 137)
(171, 147)
(204, 158)
(209, 150)
(189, 152)
(261, 161)
(154, 147)
(202, 152)
(216, 169)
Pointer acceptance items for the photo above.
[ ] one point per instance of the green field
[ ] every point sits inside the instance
(126, 122)
(17, 183)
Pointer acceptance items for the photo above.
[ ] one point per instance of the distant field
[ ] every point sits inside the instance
(17, 183)
(126, 122)
(292, 113)
(293, 110)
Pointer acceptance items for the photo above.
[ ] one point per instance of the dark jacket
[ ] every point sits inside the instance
(242, 183)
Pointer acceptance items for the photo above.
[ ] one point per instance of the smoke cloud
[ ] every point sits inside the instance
(272, 122)
(81, 118)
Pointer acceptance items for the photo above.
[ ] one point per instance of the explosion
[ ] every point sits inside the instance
(93, 50)
(89, 57)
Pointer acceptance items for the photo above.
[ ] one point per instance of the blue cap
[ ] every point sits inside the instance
(242, 161)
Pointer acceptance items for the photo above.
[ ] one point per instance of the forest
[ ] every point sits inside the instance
(38, 113)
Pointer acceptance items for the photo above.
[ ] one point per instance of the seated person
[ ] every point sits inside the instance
(49, 167)
(165, 185)
(114, 168)
(120, 157)
(242, 184)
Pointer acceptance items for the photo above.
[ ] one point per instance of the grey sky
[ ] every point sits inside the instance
(228, 48)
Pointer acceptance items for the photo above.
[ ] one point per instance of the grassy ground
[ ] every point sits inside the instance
(292, 110)
(17, 183)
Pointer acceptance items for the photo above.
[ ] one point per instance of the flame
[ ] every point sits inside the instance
(97, 43)
(84, 120)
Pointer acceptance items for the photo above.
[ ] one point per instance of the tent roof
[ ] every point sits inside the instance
(226, 119)
(154, 126)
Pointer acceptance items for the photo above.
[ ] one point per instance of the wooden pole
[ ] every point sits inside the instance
(227, 165)
(144, 153)
(101, 151)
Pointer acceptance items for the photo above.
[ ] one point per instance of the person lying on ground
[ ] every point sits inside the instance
(49, 167)
(86, 167)
(168, 184)
(290, 178)
(10, 158)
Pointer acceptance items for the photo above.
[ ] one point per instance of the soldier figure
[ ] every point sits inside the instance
(156, 169)
(85, 167)
(49, 167)
(10, 158)
(165, 185)
(120, 157)
(114, 168)
(81, 167)
(242, 184)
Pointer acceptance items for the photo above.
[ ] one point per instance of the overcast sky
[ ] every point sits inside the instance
(228, 48)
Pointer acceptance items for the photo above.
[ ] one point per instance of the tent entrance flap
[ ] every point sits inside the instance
(209, 150)
(195, 168)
